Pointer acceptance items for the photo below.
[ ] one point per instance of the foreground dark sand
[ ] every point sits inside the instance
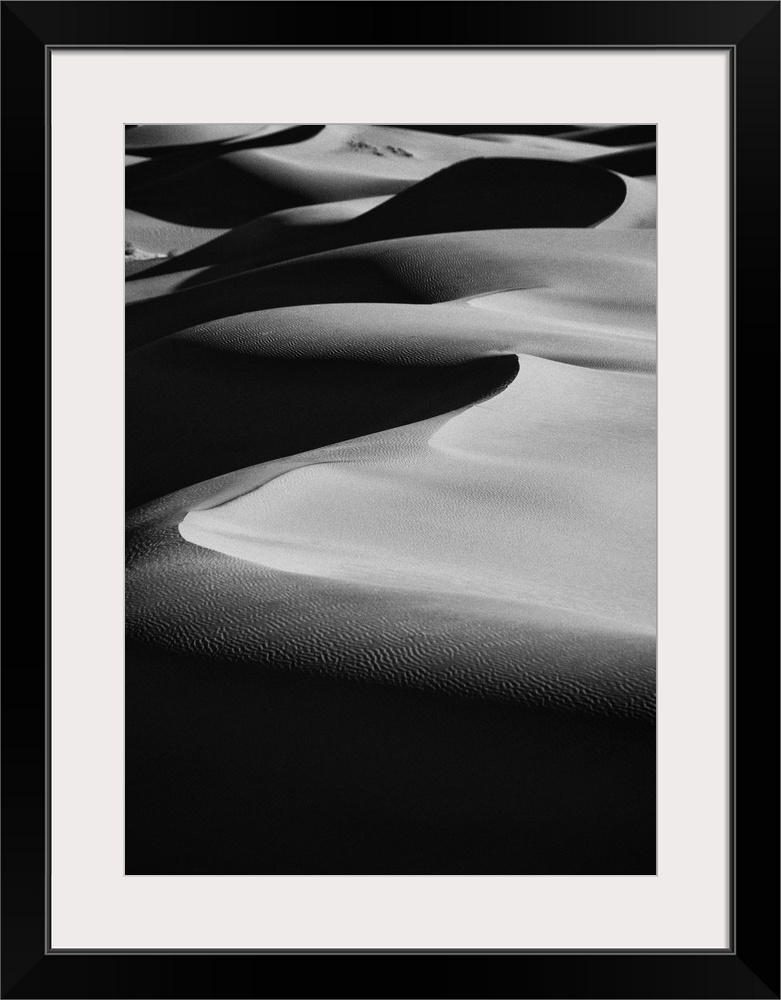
(391, 489)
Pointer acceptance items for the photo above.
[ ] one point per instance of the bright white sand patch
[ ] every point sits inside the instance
(542, 495)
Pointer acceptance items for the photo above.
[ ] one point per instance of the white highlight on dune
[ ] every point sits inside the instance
(534, 496)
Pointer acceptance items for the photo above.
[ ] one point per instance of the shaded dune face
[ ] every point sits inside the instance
(226, 410)
(299, 771)
(391, 479)
(614, 135)
(202, 191)
(475, 194)
(226, 181)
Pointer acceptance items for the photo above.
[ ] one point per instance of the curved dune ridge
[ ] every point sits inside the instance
(390, 473)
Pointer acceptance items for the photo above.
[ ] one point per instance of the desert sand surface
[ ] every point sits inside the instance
(391, 477)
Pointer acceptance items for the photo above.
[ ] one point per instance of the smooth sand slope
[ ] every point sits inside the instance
(424, 269)
(391, 599)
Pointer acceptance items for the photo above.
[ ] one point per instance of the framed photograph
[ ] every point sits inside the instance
(391, 500)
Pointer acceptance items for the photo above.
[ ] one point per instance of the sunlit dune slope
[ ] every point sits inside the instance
(423, 269)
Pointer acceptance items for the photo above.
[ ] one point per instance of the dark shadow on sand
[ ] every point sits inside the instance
(194, 412)
(483, 193)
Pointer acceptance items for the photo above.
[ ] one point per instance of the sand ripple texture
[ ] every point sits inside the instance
(391, 476)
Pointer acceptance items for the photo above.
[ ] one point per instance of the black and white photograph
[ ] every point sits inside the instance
(397, 599)
(390, 482)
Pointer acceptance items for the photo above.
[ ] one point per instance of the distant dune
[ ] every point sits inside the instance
(390, 475)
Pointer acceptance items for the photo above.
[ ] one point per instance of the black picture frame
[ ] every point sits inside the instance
(750, 967)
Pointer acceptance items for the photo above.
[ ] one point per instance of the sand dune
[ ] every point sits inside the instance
(513, 194)
(224, 410)
(246, 388)
(364, 160)
(385, 513)
(391, 470)
(418, 269)
(276, 236)
(201, 188)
